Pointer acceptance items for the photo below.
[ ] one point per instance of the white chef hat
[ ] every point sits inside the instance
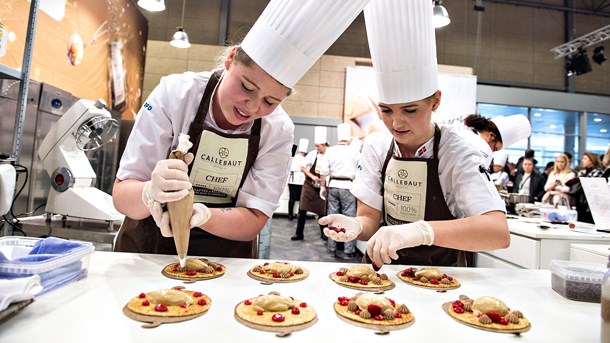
(303, 145)
(291, 35)
(320, 135)
(500, 158)
(512, 128)
(403, 49)
(344, 132)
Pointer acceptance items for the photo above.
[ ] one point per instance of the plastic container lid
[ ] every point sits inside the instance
(14, 246)
(579, 271)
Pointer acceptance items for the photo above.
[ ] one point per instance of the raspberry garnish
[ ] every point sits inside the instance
(494, 316)
(201, 302)
(259, 312)
(142, 296)
(303, 305)
(161, 308)
(295, 310)
(247, 302)
(145, 303)
(277, 317)
(339, 273)
(197, 294)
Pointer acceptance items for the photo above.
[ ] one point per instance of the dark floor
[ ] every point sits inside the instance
(312, 248)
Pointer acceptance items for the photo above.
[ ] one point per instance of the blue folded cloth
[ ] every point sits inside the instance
(45, 249)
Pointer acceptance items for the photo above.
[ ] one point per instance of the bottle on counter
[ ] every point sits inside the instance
(605, 332)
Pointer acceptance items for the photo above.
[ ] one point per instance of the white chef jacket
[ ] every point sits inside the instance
(479, 143)
(467, 190)
(340, 161)
(297, 177)
(500, 178)
(169, 111)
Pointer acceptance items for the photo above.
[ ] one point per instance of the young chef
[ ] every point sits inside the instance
(422, 198)
(242, 137)
(490, 135)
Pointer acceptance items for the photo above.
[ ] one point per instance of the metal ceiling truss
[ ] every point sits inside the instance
(592, 38)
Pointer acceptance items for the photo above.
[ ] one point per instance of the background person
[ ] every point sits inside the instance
(422, 196)
(297, 177)
(242, 137)
(338, 169)
(490, 135)
(530, 182)
(555, 186)
(310, 195)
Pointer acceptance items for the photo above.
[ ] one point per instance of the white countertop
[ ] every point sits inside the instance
(529, 227)
(90, 310)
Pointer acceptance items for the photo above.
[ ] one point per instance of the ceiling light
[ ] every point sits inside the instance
(152, 5)
(537, 114)
(441, 17)
(553, 126)
(180, 39)
(603, 130)
(597, 120)
(598, 55)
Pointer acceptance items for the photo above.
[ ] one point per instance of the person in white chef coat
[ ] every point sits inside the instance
(297, 177)
(310, 194)
(422, 198)
(242, 138)
(490, 135)
(498, 175)
(338, 170)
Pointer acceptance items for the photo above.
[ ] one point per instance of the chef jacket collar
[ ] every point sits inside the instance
(424, 151)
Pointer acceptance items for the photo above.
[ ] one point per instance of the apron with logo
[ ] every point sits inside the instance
(220, 167)
(310, 194)
(412, 192)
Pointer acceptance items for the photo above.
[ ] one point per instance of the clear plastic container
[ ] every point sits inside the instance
(558, 215)
(580, 281)
(53, 272)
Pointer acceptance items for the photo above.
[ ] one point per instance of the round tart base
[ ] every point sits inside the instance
(389, 284)
(493, 327)
(383, 326)
(168, 271)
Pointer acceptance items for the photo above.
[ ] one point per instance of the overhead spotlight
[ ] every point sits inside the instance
(598, 55)
(569, 67)
(580, 62)
(441, 17)
(152, 5)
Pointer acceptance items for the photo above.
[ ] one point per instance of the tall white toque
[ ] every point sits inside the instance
(303, 145)
(320, 135)
(291, 35)
(512, 128)
(344, 132)
(403, 49)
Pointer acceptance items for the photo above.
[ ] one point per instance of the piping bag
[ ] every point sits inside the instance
(180, 211)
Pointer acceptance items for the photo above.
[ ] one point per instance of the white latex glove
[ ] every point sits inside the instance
(384, 244)
(323, 193)
(338, 221)
(201, 214)
(169, 181)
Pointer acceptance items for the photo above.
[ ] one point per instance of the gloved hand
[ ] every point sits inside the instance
(201, 214)
(323, 193)
(382, 247)
(169, 181)
(341, 228)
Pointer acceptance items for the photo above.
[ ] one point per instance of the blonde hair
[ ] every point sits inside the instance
(566, 167)
(240, 57)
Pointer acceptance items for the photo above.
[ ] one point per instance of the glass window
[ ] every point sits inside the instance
(598, 137)
(554, 132)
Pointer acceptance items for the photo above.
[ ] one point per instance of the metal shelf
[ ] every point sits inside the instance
(9, 73)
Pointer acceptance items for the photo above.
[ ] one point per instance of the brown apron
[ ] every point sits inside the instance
(310, 195)
(143, 236)
(436, 209)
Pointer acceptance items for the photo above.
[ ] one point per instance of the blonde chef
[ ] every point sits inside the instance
(242, 137)
(415, 181)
